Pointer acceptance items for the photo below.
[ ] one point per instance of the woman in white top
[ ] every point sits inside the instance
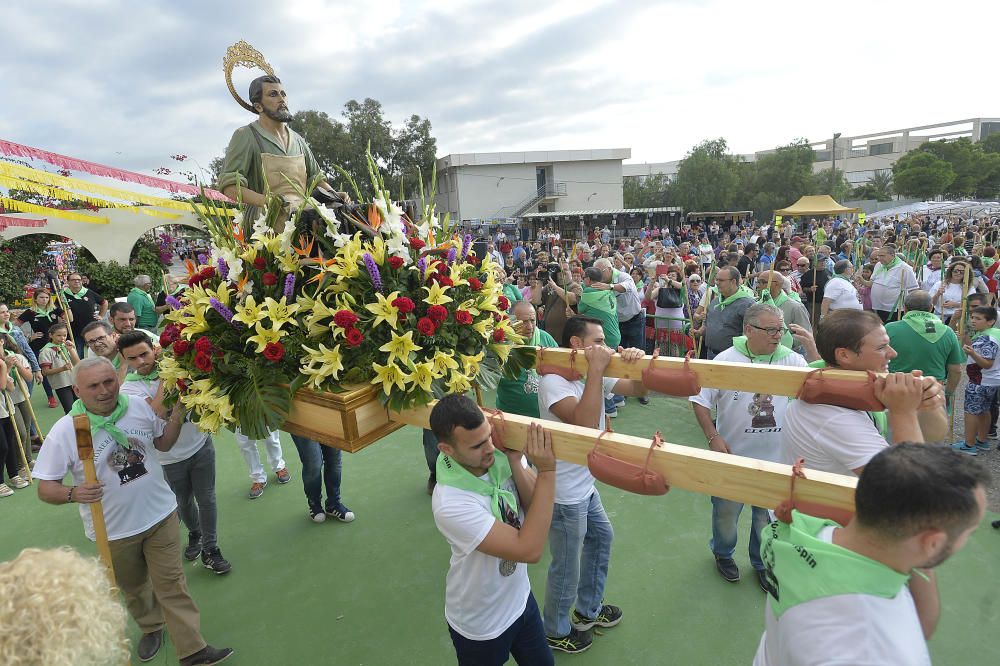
(951, 291)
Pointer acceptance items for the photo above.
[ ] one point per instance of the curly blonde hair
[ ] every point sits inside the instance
(57, 607)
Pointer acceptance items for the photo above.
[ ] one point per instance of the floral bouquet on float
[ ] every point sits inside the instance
(344, 295)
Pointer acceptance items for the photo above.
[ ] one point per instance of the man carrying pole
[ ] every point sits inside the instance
(139, 508)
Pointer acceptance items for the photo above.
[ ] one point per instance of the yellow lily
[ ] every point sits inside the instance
(423, 375)
(436, 295)
(249, 313)
(470, 364)
(443, 363)
(484, 327)
(384, 310)
(400, 347)
(329, 360)
(458, 383)
(502, 351)
(388, 375)
(263, 337)
(194, 320)
(280, 312)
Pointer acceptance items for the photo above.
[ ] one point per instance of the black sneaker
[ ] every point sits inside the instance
(762, 580)
(608, 616)
(212, 559)
(149, 645)
(727, 568)
(340, 512)
(574, 642)
(193, 549)
(207, 656)
(643, 401)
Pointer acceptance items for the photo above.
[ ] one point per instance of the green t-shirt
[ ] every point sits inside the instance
(602, 304)
(916, 353)
(520, 396)
(145, 309)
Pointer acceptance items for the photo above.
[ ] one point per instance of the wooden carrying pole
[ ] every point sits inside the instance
(11, 408)
(85, 447)
(747, 480)
(31, 409)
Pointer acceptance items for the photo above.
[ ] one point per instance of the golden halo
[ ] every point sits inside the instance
(244, 55)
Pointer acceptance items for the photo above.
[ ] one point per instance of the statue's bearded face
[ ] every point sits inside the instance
(274, 103)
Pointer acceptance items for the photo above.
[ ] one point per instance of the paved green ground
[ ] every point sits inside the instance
(372, 592)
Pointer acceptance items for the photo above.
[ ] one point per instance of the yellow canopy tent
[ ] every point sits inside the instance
(817, 204)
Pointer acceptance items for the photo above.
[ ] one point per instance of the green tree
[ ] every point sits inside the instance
(965, 159)
(922, 175)
(991, 143)
(878, 188)
(836, 186)
(778, 179)
(111, 279)
(19, 257)
(652, 191)
(708, 178)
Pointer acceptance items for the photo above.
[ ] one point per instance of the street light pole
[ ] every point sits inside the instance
(833, 169)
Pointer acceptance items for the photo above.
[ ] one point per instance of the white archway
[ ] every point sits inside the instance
(107, 242)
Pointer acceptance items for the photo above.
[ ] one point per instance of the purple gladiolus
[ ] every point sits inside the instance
(173, 303)
(202, 259)
(289, 285)
(373, 272)
(466, 245)
(223, 268)
(451, 255)
(226, 313)
(422, 266)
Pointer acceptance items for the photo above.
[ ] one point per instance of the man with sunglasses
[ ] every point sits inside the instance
(747, 424)
(724, 315)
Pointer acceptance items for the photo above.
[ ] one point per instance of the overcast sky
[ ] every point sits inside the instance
(130, 83)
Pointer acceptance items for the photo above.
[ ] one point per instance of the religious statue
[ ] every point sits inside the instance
(267, 156)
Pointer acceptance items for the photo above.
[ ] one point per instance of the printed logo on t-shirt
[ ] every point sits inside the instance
(510, 517)
(531, 383)
(762, 411)
(128, 463)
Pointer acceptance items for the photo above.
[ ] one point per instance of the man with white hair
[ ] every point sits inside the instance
(631, 318)
(140, 510)
(142, 303)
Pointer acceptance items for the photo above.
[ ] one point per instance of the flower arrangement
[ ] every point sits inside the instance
(343, 295)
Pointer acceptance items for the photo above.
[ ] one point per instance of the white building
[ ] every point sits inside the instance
(479, 187)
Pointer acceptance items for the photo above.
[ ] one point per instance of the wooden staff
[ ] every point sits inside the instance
(965, 299)
(64, 305)
(17, 434)
(85, 448)
(814, 290)
(31, 410)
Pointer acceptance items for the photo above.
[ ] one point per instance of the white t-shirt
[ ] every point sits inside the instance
(135, 495)
(190, 440)
(932, 278)
(831, 439)
(484, 594)
(574, 483)
(842, 294)
(844, 630)
(887, 284)
(749, 422)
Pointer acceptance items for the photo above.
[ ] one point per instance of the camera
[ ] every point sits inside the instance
(548, 272)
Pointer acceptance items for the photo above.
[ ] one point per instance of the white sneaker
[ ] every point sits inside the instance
(19, 482)
(5, 491)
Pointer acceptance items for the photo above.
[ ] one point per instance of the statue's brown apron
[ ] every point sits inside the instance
(278, 171)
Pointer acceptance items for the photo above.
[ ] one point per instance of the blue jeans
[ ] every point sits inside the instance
(725, 516)
(321, 465)
(524, 639)
(633, 332)
(580, 543)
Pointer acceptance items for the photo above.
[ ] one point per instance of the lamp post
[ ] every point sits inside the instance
(833, 169)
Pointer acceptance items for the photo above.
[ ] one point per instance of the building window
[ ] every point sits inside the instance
(988, 128)
(822, 155)
(880, 148)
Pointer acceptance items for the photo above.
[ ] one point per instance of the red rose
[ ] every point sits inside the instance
(404, 304)
(203, 344)
(208, 272)
(437, 313)
(274, 351)
(426, 326)
(417, 244)
(395, 263)
(463, 317)
(444, 280)
(270, 279)
(181, 347)
(260, 263)
(475, 261)
(503, 303)
(474, 284)
(498, 335)
(345, 318)
(354, 337)
(203, 361)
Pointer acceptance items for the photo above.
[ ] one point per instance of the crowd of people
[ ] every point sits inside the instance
(911, 301)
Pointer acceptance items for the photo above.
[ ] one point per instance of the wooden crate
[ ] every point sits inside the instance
(349, 421)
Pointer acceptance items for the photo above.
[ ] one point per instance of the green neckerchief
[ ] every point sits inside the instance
(43, 314)
(808, 568)
(926, 325)
(743, 292)
(991, 332)
(106, 423)
(79, 295)
(6, 328)
(178, 289)
(598, 300)
(882, 268)
(61, 349)
(840, 277)
(452, 474)
(786, 338)
(880, 419)
(740, 344)
(149, 379)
